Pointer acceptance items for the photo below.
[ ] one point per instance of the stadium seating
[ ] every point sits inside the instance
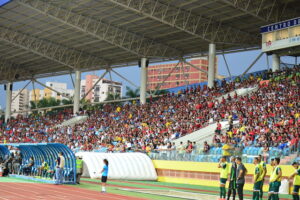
(269, 116)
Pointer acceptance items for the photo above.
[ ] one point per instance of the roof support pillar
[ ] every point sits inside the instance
(211, 65)
(275, 63)
(143, 87)
(8, 101)
(77, 92)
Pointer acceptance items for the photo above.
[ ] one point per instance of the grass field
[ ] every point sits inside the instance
(90, 189)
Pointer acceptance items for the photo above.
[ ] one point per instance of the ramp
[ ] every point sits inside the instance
(239, 92)
(73, 121)
(204, 134)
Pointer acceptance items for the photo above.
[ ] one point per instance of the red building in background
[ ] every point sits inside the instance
(180, 76)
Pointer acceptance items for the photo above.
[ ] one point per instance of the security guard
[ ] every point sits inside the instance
(296, 183)
(79, 168)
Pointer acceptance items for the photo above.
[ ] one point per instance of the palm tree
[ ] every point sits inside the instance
(48, 102)
(131, 93)
(32, 105)
(111, 97)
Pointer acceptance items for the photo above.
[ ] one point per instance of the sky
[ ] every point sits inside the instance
(238, 63)
(2, 2)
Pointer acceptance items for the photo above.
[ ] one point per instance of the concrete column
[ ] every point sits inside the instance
(275, 63)
(8, 101)
(211, 65)
(143, 87)
(77, 91)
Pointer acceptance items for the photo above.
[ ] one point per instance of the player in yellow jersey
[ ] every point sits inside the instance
(264, 168)
(224, 166)
(296, 182)
(275, 180)
(257, 178)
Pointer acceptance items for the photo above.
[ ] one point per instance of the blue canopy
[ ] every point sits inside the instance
(47, 152)
(3, 151)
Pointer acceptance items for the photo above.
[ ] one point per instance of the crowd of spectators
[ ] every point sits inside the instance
(268, 117)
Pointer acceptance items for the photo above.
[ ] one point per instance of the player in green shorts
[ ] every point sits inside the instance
(257, 178)
(275, 180)
(264, 168)
(296, 182)
(224, 166)
(232, 180)
(270, 184)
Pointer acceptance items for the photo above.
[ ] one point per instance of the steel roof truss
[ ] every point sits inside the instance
(207, 29)
(52, 51)
(99, 29)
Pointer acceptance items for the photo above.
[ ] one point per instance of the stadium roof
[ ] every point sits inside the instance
(44, 38)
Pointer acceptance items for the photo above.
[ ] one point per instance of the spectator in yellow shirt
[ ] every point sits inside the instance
(226, 150)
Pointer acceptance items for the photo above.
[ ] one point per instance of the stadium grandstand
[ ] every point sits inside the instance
(183, 144)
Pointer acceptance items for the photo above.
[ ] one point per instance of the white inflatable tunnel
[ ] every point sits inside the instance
(122, 166)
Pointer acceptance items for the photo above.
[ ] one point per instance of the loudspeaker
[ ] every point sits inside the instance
(17, 76)
(147, 63)
(11, 87)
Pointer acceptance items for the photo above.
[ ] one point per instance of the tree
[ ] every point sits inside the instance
(161, 92)
(48, 102)
(67, 101)
(111, 97)
(131, 93)
(32, 105)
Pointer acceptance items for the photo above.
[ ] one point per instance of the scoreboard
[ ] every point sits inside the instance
(281, 35)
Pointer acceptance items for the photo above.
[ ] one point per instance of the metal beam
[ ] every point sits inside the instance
(94, 103)
(190, 64)
(227, 66)
(9, 70)
(21, 91)
(253, 63)
(8, 102)
(128, 41)
(114, 94)
(33, 88)
(50, 88)
(72, 79)
(101, 77)
(121, 76)
(267, 59)
(52, 51)
(164, 80)
(208, 29)
(264, 10)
